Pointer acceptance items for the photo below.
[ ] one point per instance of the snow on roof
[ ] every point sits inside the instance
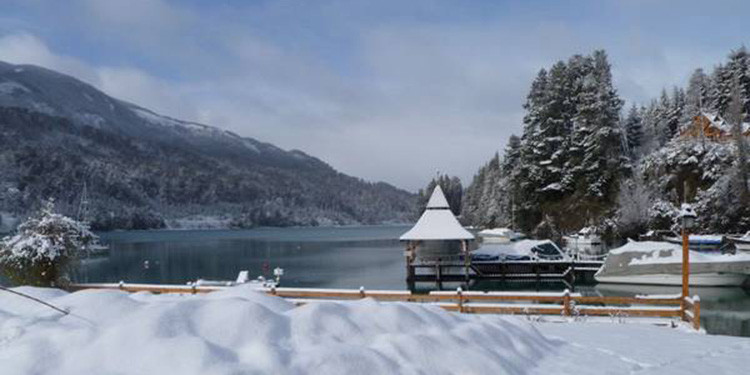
(437, 200)
(437, 222)
(720, 123)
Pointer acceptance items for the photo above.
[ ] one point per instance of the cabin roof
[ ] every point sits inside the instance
(719, 122)
(437, 222)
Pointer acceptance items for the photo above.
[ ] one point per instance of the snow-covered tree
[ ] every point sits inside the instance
(696, 96)
(633, 126)
(603, 161)
(570, 157)
(634, 201)
(736, 117)
(44, 248)
(736, 71)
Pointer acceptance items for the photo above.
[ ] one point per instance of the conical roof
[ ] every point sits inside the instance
(437, 199)
(437, 222)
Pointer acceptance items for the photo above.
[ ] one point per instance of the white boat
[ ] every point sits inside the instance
(702, 242)
(523, 250)
(586, 241)
(660, 263)
(741, 243)
(499, 235)
(243, 278)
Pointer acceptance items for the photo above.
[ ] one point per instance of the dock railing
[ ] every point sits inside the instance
(564, 303)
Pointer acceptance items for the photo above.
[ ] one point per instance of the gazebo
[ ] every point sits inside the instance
(437, 223)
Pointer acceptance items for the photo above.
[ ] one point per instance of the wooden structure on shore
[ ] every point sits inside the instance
(562, 304)
(437, 224)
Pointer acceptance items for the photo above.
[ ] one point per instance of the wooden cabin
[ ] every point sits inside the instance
(711, 126)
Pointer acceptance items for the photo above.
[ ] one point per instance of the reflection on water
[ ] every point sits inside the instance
(335, 258)
(311, 257)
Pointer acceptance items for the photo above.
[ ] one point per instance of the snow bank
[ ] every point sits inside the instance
(242, 331)
(239, 331)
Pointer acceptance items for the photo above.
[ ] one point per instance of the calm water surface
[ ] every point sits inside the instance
(347, 257)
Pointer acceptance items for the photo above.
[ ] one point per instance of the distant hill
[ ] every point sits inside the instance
(136, 169)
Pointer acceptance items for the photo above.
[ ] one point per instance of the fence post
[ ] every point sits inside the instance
(697, 313)
(566, 303)
(460, 300)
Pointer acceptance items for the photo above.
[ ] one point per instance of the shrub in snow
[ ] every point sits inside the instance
(44, 248)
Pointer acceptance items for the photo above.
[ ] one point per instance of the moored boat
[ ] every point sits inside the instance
(660, 263)
(586, 241)
(715, 243)
(742, 243)
(523, 250)
(499, 235)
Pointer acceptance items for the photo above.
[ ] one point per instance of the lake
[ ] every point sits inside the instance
(340, 257)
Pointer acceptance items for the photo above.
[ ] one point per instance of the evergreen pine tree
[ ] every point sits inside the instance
(633, 130)
(696, 96)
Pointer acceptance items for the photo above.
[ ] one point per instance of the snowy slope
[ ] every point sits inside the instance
(240, 331)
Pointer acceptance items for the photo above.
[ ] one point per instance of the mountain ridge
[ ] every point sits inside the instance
(156, 161)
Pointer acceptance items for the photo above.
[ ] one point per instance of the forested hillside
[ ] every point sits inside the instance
(66, 140)
(583, 160)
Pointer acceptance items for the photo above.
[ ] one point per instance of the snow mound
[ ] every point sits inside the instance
(242, 331)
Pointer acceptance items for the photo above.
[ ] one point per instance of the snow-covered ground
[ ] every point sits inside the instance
(239, 331)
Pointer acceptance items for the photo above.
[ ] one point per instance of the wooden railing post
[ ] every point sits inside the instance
(460, 300)
(697, 313)
(566, 303)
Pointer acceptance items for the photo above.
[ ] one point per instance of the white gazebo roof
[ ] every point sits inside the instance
(437, 222)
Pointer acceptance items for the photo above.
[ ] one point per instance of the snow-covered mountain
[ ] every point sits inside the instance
(142, 169)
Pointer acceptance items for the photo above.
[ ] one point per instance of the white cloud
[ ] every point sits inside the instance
(125, 83)
(25, 48)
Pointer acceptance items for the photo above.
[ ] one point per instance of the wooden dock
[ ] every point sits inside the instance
(439, 271)
(564, 304)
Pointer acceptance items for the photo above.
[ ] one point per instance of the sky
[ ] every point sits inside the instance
(385, 90)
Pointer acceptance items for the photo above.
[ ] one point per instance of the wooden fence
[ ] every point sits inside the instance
(477, 302)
